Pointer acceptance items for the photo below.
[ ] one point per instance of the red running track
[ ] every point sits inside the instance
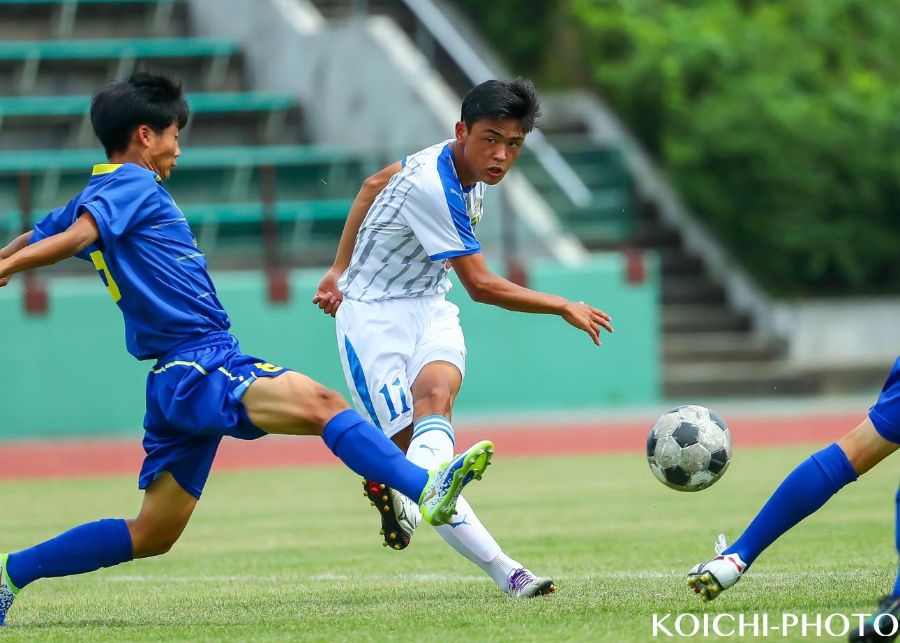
(68, 458)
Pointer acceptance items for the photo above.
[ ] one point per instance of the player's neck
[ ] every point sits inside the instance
(466, 178)
(131, 156)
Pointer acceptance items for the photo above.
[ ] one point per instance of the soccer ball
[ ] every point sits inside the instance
(689, 448)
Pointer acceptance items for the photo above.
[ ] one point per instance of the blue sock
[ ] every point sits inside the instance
(896, 592)
(806, 488)
(368, 452)
(85, 548)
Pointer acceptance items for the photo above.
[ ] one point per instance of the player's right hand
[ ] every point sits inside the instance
(4, 281)
(588, 319)
(328, 296)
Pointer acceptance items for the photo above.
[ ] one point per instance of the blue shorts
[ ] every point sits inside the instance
(885, 415)
(193, 399)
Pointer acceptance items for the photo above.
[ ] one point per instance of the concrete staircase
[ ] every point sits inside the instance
(709, 349)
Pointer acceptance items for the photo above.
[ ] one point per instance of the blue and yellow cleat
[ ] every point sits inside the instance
(8, 591)
(438, 499)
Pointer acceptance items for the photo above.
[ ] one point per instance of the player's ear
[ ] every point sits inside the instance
(461, 132)
(144, 135)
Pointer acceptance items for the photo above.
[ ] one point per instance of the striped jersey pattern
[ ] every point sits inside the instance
(420, 220)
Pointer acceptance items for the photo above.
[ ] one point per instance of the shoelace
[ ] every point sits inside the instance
(520, 578)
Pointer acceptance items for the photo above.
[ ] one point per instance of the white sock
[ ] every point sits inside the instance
(430, 447)
(432, 442)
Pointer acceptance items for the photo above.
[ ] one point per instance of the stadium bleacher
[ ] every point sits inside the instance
(47, 145)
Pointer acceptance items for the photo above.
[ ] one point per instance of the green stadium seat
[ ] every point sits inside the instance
(30, 67)
(52, 2)
(252, 212)
(212, 157)
(237, 224)
(21, 50)
(200, 103)
(610, 217)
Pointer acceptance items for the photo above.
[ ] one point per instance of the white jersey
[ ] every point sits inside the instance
(422, 218)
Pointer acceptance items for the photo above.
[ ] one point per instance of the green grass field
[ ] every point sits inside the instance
(281, 555)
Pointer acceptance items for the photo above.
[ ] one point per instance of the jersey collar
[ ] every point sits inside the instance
(109, 168)
(105, 168)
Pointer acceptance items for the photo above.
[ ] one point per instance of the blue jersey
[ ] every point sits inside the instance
(148, 259)
(885, 415)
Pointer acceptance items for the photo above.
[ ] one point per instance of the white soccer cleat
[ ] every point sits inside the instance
(522, 583)
(715, 576)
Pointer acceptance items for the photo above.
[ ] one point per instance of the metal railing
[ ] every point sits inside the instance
(470, 63)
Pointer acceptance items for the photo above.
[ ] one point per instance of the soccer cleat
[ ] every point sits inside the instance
(438, 500)
(881, 624)
(399, 515)
(8, 591)
(712, 578)
(523, 584)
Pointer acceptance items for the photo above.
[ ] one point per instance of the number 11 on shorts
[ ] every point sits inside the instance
(386, 392)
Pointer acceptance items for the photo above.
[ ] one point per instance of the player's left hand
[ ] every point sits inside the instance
(4, 279)
(587, 318)
(328, 296)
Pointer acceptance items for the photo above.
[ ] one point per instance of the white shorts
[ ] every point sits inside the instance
(385, 344)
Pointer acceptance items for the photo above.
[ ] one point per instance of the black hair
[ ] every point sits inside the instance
(144, 98)
(502, 99)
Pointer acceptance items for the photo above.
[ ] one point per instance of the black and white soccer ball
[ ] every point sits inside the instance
(689, 448)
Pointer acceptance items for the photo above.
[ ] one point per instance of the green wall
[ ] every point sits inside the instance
(68, 372)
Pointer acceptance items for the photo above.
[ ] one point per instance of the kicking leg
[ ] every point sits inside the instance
(294, 404)
(434, 392)
(164, 514)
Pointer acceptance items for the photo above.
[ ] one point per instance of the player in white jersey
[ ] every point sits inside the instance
(399, 339)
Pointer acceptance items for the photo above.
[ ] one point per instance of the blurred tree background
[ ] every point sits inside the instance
(779, 121)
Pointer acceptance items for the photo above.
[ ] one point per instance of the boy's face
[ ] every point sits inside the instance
(163, 150)
(491, 147)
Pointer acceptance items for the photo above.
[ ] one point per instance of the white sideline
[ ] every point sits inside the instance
(792, 576)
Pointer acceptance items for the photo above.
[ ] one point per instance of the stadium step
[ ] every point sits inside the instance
(701, 318)
(718, 347)
(701, 380)
(698, 289)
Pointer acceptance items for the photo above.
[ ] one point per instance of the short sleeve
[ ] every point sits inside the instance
(123, 204)
(437, 215)
(57, 221)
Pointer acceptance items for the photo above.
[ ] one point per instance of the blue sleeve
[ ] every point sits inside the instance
(123, 204)
(57, 221)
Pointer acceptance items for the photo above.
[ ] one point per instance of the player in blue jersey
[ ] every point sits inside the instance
(805, 490)
(202, 387)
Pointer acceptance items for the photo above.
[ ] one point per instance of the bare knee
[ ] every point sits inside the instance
(864, 447)
(321, 404)
(434, 400)
(151, 539)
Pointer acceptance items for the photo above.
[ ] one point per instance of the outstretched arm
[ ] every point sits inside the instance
(15, 245)
(48, 251)
(328, 297)
(488, 288)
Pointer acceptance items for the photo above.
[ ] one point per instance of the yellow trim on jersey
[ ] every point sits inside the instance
(105, 168)
(111, 285)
